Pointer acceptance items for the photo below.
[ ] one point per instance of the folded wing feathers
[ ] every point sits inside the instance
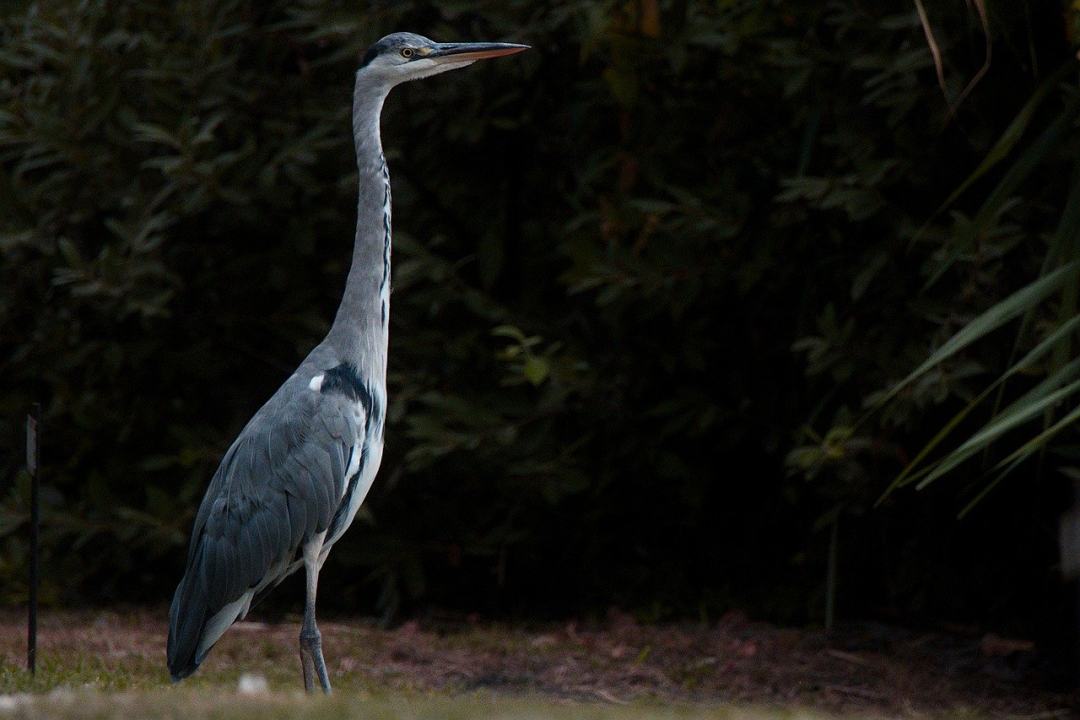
(280, 483)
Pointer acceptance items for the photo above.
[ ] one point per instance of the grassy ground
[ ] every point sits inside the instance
(190, 704)
(111, 664)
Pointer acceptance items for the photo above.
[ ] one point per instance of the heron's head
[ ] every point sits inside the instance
(405, 56)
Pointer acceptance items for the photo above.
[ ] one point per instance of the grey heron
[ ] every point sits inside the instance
(291, 483)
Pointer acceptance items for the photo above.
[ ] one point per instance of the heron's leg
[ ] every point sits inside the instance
(308, 666)
(311, 657)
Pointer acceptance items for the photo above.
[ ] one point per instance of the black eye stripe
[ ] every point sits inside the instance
(370, 55)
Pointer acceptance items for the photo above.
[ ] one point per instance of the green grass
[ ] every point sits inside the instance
(142, 676)
(192, 703)
(80, 686)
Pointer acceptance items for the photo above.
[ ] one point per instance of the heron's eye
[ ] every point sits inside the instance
(406, 52)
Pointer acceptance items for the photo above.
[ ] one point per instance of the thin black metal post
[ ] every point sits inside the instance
(33, 466)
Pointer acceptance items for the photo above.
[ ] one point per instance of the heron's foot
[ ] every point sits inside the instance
(311, 658)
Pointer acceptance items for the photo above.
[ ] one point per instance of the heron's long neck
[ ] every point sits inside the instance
(359, 331)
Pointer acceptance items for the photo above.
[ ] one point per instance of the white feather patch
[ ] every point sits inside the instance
(316, 383)
(220, 622)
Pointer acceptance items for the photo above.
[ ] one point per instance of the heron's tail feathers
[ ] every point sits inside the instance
(187, 620)
(200, 615)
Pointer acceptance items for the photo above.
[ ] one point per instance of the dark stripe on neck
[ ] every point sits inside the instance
(386, 230)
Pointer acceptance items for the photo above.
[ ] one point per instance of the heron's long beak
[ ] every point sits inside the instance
(468, 52)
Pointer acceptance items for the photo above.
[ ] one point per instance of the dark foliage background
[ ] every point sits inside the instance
(654, 281)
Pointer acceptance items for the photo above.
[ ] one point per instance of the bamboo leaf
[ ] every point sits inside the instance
(1050, 342)
(1040, 440)
(1012, 134)
(989, 321)
(988, 489)
(1063, 245)
(1050, 140)
(1019, 412)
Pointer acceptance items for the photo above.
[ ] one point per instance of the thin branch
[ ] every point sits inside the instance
(980, 7)
(935, 51)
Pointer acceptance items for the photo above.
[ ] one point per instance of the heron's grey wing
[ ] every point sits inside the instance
(279, 485)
